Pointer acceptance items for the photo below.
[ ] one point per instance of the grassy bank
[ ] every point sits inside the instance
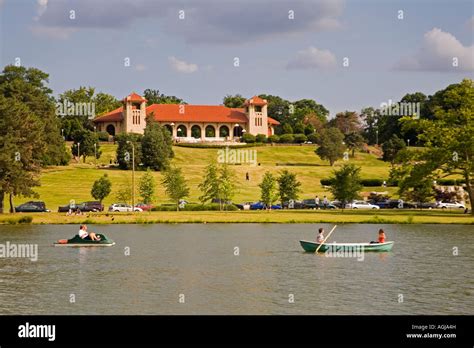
(282, 216)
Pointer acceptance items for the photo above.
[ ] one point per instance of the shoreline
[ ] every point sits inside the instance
(283, 217)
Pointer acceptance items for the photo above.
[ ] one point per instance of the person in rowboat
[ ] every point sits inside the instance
(320, 237)
(381, 237)
(87, 235)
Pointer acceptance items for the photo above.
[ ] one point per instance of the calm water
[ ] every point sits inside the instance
(198, 260)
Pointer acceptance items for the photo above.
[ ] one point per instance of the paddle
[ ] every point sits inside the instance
(325, 239)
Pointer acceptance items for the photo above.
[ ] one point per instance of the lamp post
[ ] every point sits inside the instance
(377, 136)
(133, 175)
(95, 152)
(78, 151)
(408, 140)
(62, 133)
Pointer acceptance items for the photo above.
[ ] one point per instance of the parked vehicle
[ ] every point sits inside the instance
(32, 207)
(261, 206)
(92, 206)
(123, 207)
(362, 205)
(390, 204)
(293, 205)
(144, 207)
(244, 206)
(450, 205)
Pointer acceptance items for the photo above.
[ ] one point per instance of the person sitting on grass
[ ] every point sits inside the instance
(85, 235)
(320, 237)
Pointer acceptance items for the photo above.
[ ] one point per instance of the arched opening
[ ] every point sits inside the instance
(182, 131)
(110, 129)
(196, 132)
(210, 132)
(224, 132)
(169, 129)
(237, 131)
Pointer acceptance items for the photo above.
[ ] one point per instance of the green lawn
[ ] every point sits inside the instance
(61, 184)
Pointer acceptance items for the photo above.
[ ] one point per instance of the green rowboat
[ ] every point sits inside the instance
(312, 246)
(77, 241)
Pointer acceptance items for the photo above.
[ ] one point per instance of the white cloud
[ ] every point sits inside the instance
(181, 66)
(437, 53)
(42, 7)
(312, 58)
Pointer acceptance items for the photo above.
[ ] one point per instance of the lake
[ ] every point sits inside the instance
(238, 269)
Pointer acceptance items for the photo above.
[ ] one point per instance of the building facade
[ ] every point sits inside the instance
(190, 123)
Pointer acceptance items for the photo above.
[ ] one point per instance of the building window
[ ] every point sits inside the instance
(224, 132)
(210, 132)
(182, 131)
(258, 108)
(196, 132)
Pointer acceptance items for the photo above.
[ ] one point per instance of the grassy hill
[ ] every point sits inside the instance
(61, 184)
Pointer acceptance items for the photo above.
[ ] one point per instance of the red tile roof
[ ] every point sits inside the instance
(191, 113)
(134, 97)
(256, 100)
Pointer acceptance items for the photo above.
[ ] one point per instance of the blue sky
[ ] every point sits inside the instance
(296, 57)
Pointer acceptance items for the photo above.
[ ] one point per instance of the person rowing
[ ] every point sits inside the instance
(87, 235)
(320, 236)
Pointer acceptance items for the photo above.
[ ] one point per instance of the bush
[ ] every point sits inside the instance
(248, 138)
(273, 139)
(287, 138)
(215, 146)
(364, 182)
(195, 207)
(326, 182)
(261, 138)
(300, 138)
(314, 138)
(103, 136)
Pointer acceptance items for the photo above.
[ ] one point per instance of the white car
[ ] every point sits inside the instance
(445, 205)
(123, 207)
(362, 205)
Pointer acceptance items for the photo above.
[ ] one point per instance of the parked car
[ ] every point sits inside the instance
(390, 204)
(244, 206)
(92, 206)
(293, 205)
(450, 205)
(144, 207)
(32, 207)
(362, 205)
(261, 206)
(123, 207)
(311, 204)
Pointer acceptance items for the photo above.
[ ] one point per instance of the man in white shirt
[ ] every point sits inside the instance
(85, 235)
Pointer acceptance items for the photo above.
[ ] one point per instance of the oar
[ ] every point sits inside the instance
(325, 239)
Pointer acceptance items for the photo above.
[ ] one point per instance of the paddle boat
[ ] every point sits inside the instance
(312, 246)
(77, 241)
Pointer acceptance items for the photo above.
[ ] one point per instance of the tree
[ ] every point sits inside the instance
(347, 122)
(277, 107)
(354, 141)
(288, 186)
(86, 143)
(125, 151)
(268, 190)
(210, 185)
(234, 101)
(157, 148)
(147, 187)
(153, 96)
(287, 129)
(346, 184)
(370, 117)
(175, 184)
(448, 138)
(124, 195)
(331, 147)
(101, 188)
(392, 147)
(310, 106)
(226, 185)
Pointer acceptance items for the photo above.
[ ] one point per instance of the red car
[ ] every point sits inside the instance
(144, 207)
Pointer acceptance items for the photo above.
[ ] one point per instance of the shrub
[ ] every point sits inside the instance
(300, 138)
(287, 138)
(248, 138)
(326, 182)
(314, 138)
(273, 139)
(103, 136)
(450, 182)
(261, 138)
(195, 207)
(216, 146)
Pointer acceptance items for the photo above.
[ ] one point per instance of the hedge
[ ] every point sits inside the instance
(195, 207)
(216, 146)
(363, 182)
(287, 138)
